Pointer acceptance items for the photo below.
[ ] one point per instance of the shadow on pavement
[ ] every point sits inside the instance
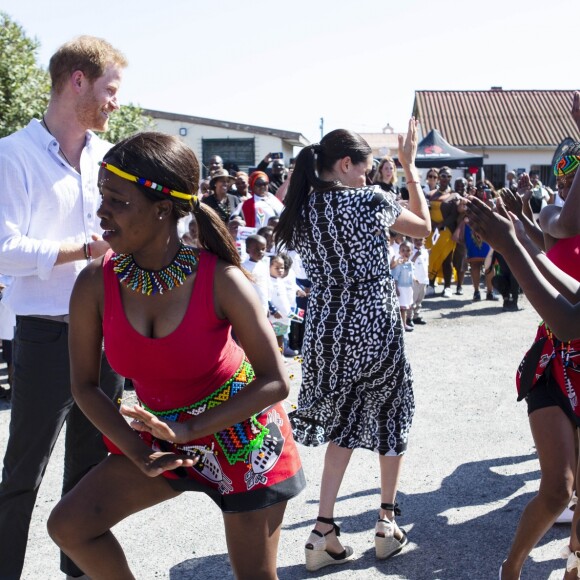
(209, 568)
(449, 539)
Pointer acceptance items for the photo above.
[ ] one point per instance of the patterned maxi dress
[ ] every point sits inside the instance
(357, 383)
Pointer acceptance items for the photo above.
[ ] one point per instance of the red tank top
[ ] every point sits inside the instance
(179, 369)
(565, 254)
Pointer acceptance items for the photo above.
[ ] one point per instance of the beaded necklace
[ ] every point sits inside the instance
(155, 281)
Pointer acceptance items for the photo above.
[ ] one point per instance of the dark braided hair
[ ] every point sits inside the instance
(310, 163)
(166, 160)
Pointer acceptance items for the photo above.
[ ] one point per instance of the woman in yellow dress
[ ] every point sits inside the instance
(443, 207)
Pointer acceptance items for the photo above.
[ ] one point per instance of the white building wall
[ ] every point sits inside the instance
(263, 144)
(522, 159)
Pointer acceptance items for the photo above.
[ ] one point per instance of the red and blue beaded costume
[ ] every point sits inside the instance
(554, 358)
(244, 467)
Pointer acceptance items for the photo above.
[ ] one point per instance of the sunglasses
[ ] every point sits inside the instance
(260, 183)
(431, 177)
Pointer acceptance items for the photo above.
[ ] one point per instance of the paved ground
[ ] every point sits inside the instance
(470, 469)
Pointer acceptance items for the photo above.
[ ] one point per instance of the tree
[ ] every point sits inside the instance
(24, 86)
(129, 119)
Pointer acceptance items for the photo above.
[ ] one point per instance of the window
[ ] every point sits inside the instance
(495, 174)
(235, 152)
(546, 174)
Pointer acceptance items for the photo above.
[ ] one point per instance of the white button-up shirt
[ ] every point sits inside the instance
(43, 203)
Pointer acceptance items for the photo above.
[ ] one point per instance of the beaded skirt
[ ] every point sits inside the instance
(244, 467)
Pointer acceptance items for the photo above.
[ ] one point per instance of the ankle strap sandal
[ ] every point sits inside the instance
(392, 507)
(330, 522)
(317, 556)
(387, 544)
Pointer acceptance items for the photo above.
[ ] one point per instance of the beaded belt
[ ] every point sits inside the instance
(236, 441)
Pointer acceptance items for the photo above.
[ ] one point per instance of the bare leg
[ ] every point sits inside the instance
(447, 268)
(390, 471)
(252, 539)
(403, 316)
(574, 536)
(335, 464)
(488, 278)
(475, 275)
(80, 523)
(459, 263)
(554, 436)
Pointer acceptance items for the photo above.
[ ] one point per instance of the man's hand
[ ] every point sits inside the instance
(98, 246)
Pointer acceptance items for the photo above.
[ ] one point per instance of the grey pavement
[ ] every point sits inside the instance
(470, 469)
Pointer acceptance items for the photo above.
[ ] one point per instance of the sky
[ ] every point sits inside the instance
(288, 64)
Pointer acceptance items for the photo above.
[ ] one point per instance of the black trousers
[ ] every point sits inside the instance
(41, 403)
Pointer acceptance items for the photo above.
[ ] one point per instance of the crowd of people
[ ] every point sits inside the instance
(196, 289)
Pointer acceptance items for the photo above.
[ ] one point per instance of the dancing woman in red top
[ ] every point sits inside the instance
(209, 418)
(548, 375)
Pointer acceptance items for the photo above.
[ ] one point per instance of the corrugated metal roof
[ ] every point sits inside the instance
(497, 118)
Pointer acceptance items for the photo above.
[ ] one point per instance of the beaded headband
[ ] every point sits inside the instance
(146, 182)
(566, 164)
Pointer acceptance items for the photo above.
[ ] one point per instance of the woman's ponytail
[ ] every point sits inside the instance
(214, 236)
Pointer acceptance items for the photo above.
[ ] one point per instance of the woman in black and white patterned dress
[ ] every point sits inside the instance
(357, 383)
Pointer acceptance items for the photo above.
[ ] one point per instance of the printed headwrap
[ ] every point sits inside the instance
(566, 164)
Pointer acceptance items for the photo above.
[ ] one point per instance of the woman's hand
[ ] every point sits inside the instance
(525, 187)
(497, 230)
(518, 224)
(167, 430)
(408, 146)
(156, 463)
(514, 202)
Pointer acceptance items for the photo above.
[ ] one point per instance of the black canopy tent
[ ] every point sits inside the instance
(434, 151)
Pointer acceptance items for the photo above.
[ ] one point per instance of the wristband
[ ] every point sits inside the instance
(87, 250)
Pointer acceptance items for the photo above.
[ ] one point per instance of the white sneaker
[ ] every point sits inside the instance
(447, 293)
(430, 290)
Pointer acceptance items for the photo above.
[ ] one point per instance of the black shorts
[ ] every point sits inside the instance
(547, 393)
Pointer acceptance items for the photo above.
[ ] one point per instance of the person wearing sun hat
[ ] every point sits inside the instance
(222, 202)
(262, 205)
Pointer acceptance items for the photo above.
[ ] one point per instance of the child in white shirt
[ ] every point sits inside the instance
(258, 267)
(282, 299)
(420, 259)
(403, 276)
